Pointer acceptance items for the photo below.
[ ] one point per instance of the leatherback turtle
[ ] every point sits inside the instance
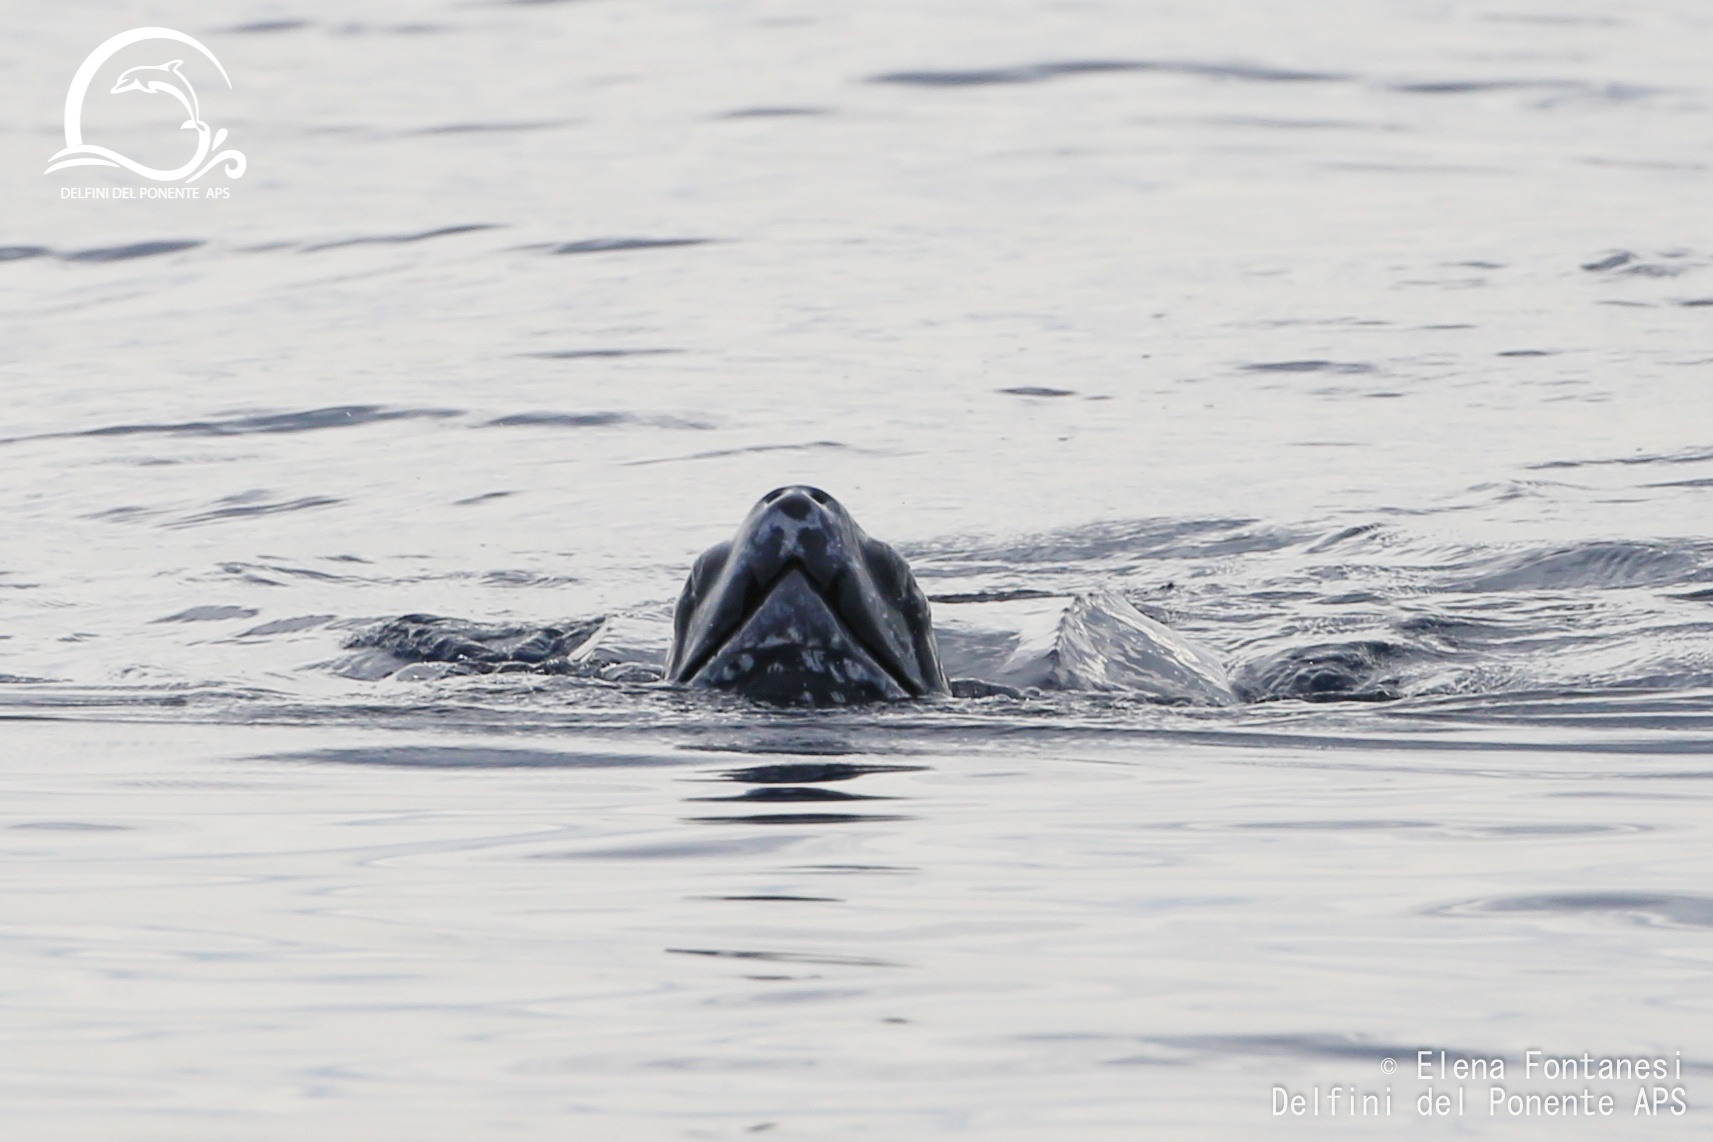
(802, 608)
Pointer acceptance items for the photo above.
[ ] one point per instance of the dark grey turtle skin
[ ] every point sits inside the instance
(801, 608)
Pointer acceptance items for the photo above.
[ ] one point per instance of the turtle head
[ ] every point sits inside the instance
(801, 607)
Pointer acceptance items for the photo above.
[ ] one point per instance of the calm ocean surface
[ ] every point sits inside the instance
(1372, 333)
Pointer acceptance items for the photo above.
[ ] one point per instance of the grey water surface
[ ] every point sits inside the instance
(1367, 344)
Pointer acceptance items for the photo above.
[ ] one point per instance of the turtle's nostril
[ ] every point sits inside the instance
(774, 495)
(819, 496)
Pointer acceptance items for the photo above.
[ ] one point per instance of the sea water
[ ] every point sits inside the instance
(1377, 332)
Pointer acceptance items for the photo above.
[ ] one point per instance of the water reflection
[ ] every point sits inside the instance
(796, 782)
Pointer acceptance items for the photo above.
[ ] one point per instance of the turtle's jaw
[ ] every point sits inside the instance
(792, 648)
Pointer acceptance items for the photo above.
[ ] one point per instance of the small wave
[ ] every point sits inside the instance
(351, 29)
(813, 445)
(1365, 531)
(287, 626)
(1687, 456)
(561, 419)
(616, 245)
(1311, 366)
(1672, 909)
(589, 420)
(788, 897)
(1628, 263)
(1040, 72)
(309, 420)
(1305, 1045)
(1001, 595)
(398, 239)
(1600, 565)
(1612, 261)
(233, 511)
(1479, 86)
(1550, 829)
(788, 957)
(1604, 92)
(525, 579)
(134, 250)
(209, 614)
(1252, 73)
(773, 113)
(1141, 539)
(490, 128)
(265, 27)
(264, 574)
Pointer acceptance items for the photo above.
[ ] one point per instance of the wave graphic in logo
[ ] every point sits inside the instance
(151, 79)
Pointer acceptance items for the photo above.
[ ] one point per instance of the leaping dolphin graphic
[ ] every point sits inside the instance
(133, 79)
(151, 79)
